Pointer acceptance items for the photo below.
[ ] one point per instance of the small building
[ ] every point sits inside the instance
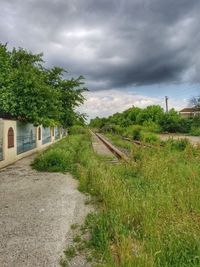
(189, 112)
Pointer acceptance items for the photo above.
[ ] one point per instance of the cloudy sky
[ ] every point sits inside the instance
(131, 52)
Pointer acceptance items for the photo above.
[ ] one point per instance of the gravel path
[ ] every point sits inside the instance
(36, 211)
(195, 140)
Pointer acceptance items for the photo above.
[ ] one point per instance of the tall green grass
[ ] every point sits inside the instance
(60, 157)
(149, 213)
(119, 142)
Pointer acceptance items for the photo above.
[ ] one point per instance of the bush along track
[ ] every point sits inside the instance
(149, 208)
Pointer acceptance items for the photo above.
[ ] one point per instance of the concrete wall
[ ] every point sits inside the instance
(10, 155)
(186, 115)
(46, 135)
(26, 137)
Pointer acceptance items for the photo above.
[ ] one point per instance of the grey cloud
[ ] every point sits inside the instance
(114, 44)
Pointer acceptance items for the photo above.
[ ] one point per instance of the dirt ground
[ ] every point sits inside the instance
(195, 140)
(36, 212)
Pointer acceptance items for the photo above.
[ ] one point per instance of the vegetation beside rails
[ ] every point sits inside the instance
(119, 142)
(149, 209)
(122, 143)
(150, 119)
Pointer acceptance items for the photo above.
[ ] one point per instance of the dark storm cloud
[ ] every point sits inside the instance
(114, 44)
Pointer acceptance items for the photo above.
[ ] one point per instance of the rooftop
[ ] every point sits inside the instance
(191, 110)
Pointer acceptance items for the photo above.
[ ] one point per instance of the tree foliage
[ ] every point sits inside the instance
(32, 93)
(153, 118)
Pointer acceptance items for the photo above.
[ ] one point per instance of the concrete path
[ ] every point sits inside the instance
(195, 140)
(36, 211)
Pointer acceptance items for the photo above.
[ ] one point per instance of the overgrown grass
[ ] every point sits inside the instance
(59, 157)
(119, 142)
(150, 208)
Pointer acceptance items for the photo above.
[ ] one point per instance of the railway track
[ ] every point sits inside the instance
(139, 143)
(119, 154)
(116, 151)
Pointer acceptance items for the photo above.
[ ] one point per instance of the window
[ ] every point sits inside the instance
(39, 133)
(10, 137)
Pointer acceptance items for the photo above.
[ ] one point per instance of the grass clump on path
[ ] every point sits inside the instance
(149, 209)
(59, 157)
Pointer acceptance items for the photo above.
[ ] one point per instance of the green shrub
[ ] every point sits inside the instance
(111, 128)
(170, 122)
(196, 121)
(150, 137)
(55, 160)
(134, 132)
(195, 131)
(77, 129)
(184, 125)
(151, 126)
(179, 144)
(60, 157)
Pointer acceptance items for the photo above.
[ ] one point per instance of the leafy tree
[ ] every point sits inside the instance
(71, 95)
(98, 122)
(152, 118)
(170, 121)
(151, 113)
(31, 93)
(133, 114)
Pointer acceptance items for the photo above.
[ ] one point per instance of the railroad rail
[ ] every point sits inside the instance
(139, 143)
(119, 154)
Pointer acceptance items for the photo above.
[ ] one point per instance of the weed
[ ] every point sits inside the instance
(70, 252)
(74, 226)
(64, 263)
(88, 202)
(89, 258)
(81, 247)
(179, 144)
(77, 239)
(134, 132)
(150, 138)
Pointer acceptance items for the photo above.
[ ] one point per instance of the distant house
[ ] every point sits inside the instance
(189, 112)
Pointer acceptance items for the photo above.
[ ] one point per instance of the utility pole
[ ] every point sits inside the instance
(166, 101)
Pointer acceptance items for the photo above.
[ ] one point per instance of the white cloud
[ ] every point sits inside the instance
(106, 102)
